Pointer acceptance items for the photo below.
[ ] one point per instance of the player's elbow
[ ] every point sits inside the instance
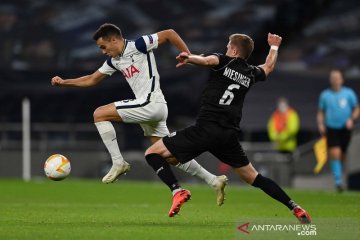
(268, 68)
(210, 60)
(170, 34)
(207, 62)
(171, 31)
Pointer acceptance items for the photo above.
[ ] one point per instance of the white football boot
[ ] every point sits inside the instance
(219, 187)
(115, 171)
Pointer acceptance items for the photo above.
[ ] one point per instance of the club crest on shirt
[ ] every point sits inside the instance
(342, 103)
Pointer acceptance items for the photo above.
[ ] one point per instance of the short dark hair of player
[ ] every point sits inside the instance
(106, 31)
(243, 43)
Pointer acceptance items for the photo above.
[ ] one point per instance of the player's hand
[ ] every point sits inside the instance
(349, 124)
(57, 81)
(182, 59)
(274, 40)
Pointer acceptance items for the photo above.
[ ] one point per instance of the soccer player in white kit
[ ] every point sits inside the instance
(136, 61)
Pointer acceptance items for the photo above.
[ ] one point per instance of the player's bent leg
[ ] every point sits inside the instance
(155, 156)
(163, 170)
(159, 148)
(102, 117)
(106, 113)
(218, 183)
(251, 176)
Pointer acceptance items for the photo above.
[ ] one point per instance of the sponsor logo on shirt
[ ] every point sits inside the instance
(129, 72)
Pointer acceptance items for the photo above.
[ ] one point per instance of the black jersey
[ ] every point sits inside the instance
(223, 98)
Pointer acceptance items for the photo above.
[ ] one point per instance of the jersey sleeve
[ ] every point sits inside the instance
(353, 99)
(222, 61)
(259, 74)
(107, 68)
(322, 101)
(147, 43)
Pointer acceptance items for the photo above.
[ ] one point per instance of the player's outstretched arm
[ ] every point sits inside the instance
(274, 42)
(184, 58)
(84, 81)
(173, 37)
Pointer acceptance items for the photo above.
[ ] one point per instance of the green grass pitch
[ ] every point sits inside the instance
(88, 209)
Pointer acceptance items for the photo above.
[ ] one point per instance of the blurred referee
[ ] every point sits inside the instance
(338, 109)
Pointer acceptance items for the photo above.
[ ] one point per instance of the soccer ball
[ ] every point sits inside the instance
(57, 167)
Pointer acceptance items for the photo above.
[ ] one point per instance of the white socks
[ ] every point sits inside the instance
(195, 169)
(108, 135)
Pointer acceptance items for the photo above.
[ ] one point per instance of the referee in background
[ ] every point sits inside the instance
(338, 109)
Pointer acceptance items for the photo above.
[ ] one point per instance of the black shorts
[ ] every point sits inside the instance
(223, 143)
(338, 138)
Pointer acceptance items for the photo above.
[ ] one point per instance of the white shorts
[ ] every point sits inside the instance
(150, 115)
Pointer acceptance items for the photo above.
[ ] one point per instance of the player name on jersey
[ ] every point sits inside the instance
(237, 77)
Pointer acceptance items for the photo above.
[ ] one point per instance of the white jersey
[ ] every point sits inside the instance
(137, 64)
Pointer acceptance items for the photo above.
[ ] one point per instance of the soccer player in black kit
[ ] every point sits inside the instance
(217, 125)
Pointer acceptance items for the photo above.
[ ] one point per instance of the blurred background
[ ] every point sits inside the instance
(40, 39)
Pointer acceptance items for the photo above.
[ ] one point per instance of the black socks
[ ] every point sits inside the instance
(163, 170)
(273, 190)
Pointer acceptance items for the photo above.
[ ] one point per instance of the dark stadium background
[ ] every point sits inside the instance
(40, 39)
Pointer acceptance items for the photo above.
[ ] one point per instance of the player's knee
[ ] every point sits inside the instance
(154, 149)
(98, 116)
(148, 152)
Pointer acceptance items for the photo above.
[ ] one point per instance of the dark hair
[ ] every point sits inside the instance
(243, 43)
(106, 31)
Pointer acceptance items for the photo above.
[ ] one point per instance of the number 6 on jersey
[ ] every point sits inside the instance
(228, 96)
